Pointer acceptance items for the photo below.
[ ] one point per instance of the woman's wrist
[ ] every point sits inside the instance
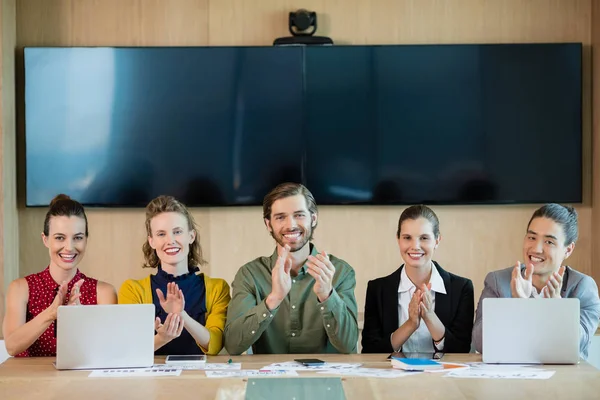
(48, 315)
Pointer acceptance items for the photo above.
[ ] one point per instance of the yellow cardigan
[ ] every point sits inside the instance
(217, 299)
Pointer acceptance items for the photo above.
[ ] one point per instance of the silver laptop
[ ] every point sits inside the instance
(105, 336)
(530, 331)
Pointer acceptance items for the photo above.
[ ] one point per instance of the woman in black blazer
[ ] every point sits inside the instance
(420, 307)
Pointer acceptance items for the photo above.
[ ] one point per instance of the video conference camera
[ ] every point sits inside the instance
(302, 24)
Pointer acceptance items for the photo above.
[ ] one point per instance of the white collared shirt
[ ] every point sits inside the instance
(535, 294)
(420, 340)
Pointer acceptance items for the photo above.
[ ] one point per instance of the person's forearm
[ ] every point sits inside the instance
(159, 341)
(199, 332)
(401, 335)
(436, 328)
(584, 338)
(272, 302)
(24, 336)
(339, 320)
(243, 330)
(240, 334)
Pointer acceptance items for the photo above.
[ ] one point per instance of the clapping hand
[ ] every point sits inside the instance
(321, 268)
(554, 284)
(414, 309)
(281, 280)
(521, 286)
(59, 299)
(174, 302)
(170, 330)
(76, 294)
(426, 303)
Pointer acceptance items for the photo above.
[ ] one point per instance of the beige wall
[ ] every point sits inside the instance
(475, 239)
(9, 229)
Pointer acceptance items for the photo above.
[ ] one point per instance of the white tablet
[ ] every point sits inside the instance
(186, 359)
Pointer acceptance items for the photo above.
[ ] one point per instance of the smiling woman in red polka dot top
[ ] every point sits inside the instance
(32, 302)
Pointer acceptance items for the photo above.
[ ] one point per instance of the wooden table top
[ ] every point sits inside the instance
(36, 378)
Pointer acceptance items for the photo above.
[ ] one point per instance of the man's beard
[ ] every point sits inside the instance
(306, 237)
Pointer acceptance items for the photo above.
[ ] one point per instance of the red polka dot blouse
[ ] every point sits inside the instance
(42, 290)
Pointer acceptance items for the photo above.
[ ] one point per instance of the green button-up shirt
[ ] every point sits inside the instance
(301, 324)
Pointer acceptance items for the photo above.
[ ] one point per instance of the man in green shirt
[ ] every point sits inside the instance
(298, 300)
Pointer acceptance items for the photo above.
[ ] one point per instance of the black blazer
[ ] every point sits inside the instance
(455, 309)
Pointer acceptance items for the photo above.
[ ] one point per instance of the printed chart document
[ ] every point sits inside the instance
(492, 371)
(296, 366)
(131, 372)
(371, 372)
(203, 366)
(503, 367)
(243, 373)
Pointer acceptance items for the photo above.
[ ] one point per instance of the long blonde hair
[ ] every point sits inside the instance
(163, 204)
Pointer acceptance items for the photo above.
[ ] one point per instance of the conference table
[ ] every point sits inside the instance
(36, 378)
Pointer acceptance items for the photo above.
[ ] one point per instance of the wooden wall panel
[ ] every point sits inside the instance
(475, 239)
(238, 22)
(9, 229)
(112, 23)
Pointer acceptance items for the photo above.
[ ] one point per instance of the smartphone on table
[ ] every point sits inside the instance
(310, 362)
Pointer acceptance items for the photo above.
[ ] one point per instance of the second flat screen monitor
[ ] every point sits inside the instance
(444, 124)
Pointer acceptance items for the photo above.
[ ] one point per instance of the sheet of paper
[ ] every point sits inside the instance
(504, 367)
(250, 373)
(521, 373)
(296, 366)
(131, 372)
(371, 372)
(204, 366)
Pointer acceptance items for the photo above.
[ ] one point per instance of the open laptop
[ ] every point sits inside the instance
(530, 331)
(105, 336)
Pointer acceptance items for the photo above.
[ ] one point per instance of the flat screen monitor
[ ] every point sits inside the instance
(120, 126)
(444, 124)
(221, 126)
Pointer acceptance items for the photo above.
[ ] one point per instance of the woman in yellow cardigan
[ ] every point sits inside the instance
(190, 307)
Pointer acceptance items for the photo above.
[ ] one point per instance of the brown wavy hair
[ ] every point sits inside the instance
(288, 189)
(163, 204)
